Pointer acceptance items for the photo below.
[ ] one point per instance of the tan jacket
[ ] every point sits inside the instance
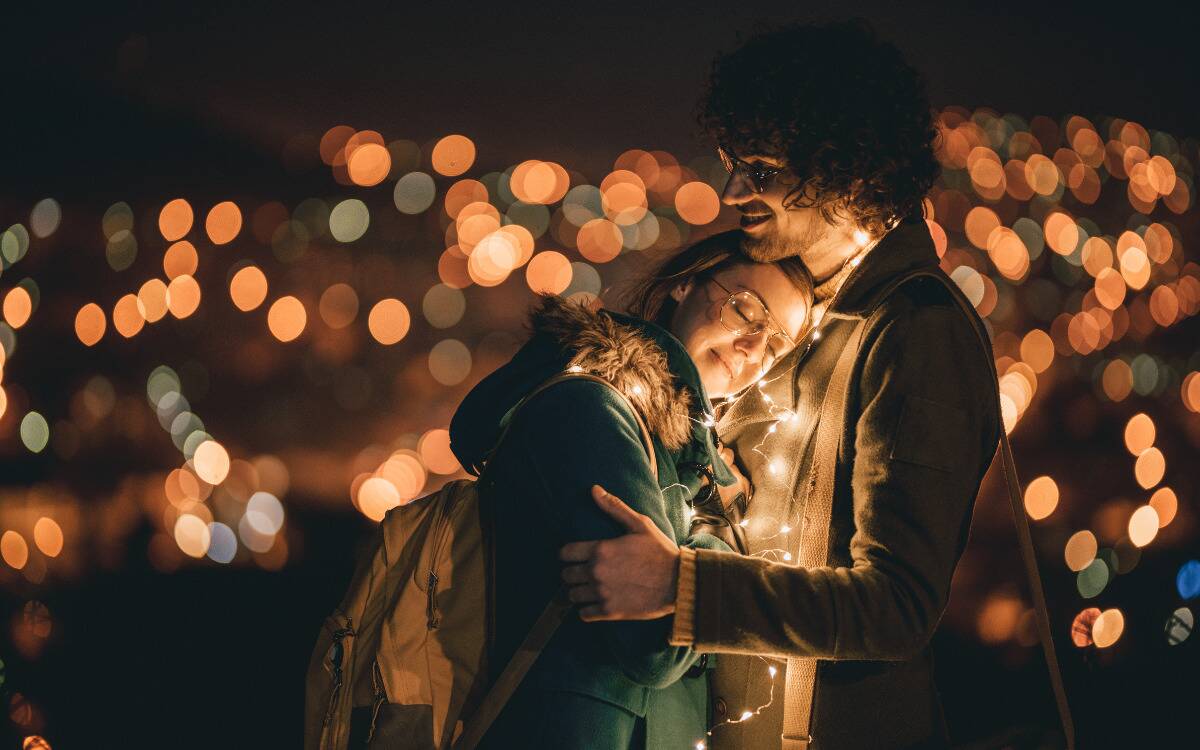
(921, 430)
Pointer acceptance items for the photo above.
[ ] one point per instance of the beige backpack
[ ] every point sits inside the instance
(402, 661)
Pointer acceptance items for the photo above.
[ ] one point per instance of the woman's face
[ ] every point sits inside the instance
(729, 361)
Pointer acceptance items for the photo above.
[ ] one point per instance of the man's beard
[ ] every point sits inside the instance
(772, 246)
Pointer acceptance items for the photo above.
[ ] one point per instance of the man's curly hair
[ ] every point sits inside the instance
(841, 107)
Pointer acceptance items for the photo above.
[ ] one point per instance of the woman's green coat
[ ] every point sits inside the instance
(597, 685)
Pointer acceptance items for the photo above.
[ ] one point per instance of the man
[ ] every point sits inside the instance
(828, 138)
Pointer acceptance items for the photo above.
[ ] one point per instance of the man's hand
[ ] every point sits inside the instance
(631, 577)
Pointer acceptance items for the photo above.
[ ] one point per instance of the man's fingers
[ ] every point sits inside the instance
(575, 574)
(613, 506)
(577, 551)
(594, 613)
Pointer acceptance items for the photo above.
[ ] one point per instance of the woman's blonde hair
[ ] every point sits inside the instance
(650, 298)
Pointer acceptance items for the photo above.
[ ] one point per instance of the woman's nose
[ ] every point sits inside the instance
(753, 346)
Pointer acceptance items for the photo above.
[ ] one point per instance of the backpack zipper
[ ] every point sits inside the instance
(431, 611)
(380, 698)
(338, 653)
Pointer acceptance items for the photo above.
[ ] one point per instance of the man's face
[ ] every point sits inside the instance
(769, 230)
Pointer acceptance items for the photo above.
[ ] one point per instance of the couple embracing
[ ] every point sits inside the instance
(816, 351)
(754, 484)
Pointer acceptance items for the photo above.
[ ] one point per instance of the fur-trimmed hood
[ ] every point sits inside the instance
(643, 360)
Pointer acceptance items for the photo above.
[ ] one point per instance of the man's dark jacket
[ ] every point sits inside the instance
(921, 429)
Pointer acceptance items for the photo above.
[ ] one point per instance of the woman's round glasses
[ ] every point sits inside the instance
(745, 314)
(759, 177)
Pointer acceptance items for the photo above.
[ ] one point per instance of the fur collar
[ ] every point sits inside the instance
(623, 355)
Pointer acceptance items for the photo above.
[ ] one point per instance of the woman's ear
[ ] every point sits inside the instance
(680, 290)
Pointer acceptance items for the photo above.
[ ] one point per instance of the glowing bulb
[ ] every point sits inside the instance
(861, 239)
(775, 466)
(772, 671)
(784, 529)
(773, 427)
(708, 421)
(690, 513)
(700, 745)
(767, 399)
(744, 523)
(816, 334)
(574, 368)
(855, 261)
(787, 556)
(637, 390)
(746, 715)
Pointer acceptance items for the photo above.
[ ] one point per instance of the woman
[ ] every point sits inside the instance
(710, 323)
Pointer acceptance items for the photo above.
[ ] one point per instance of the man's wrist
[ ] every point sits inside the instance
(683, 629)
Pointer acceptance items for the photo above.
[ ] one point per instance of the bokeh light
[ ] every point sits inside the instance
(287, 318)
(388, 321)
(1080, 550)
(223, 223)
(453, 155)
(1108, 628)
(1041, 498)
(338, 306)
(174, 220)
(248, 288)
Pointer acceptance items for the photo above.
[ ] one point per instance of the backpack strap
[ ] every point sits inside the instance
(800, 684)
(556, 611)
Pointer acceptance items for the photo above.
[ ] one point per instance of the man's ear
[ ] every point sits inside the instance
(679, 291)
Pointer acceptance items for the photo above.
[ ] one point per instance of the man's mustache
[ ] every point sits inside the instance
(753, 208)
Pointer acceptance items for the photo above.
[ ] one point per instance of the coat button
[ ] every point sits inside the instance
(720, 708)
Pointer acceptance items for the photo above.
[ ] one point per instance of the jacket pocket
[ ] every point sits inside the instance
(929, 434)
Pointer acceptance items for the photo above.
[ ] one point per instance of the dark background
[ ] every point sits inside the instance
(138, 101)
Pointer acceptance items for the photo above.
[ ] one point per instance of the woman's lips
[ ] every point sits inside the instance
(728, 369)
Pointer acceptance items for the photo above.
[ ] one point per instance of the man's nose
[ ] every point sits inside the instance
(737, 189)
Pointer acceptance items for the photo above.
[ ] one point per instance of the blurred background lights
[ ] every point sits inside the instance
(338, 306)
(35, 432)
(1179, 626)
(48, 536)
(183, 296)
(1187, 580)
(286, 318)
(1165, 505)
(180, 259)
(211, 462)
(1150, 467)
(414, 193)
(1041, 497)
(44, 218)
(18, 306)
(1139, 433)
(14, 549)
(1143, 526)
(222, 544)
(1108, 628)
(349, 220)
(193, 535)
(174, 220)
(449, 362)
(443, 305)
(223, 223)
(549, 272)
(1080, 550)
(264, 513)
(248, 288)
(453, 155)
(388, 321)
(1092, 579)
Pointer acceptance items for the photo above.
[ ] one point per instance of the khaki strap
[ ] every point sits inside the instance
(802, 672)
(801, 680)
(556, 611)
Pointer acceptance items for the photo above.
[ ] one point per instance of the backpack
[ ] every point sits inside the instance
(401, 663)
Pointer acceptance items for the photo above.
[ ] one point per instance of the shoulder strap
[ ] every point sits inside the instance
(556, 611)
(818, 504)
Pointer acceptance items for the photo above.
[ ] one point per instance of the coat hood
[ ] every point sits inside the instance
(643, 360)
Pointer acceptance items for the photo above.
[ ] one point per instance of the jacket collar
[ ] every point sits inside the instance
(906, 248)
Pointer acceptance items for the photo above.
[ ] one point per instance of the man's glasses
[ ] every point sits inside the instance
(759, 176)
(745, 314)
